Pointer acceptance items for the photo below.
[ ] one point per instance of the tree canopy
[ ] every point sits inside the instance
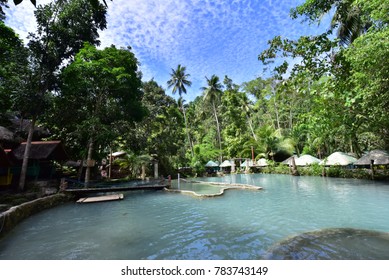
(324, 93)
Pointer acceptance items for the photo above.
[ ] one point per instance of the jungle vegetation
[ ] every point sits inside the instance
(336, 98)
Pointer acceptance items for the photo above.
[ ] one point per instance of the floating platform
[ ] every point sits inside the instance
(101, 198)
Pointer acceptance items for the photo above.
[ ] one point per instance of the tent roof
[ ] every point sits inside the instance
(306, 160)
(289, 160)
(225, 163)
(49, 150)
(211, 164)
(338, 158)
(262, 162)
(251, 163)
(380, 157)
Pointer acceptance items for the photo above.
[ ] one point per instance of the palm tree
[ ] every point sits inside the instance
(348, 18)
(246, 108)
(212, 94)
(179, 79)
(270, 141)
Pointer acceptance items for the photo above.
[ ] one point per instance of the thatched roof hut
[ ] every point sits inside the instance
(249, 161)
(42, 150)
(379, 157)
(226, 163)
(262, 162)
(305, 160)
(288, 161)
(211, 164)
(338, 158)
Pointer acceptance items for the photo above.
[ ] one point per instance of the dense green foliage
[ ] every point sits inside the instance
(326, 93)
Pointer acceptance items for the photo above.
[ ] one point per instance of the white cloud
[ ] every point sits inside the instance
(222, 37)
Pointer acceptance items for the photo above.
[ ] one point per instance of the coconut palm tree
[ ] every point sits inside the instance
(246, 107)
(179, 79)
(270, 141)
(212, 95)
(348, 18)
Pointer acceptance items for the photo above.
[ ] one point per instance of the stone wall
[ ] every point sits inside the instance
(10, 218)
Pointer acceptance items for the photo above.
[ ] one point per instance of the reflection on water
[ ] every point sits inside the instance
(334, 244)
(241, 224)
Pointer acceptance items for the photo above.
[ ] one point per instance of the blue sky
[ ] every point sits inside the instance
(221, 37)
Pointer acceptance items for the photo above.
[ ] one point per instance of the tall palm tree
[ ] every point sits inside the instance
(212, 94)
(246, 108)
(179, 79)
(270, 141)
(348, 18)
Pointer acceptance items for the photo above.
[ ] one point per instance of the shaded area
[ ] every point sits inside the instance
(333, 244)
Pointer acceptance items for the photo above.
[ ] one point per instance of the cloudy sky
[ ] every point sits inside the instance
(222, 37)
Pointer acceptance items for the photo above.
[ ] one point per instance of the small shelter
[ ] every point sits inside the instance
(288, 161)
(376, 157)
(338, 158)
(226, 166)
(211, 164)
(249, 161)
(42, 153)
(305, 160)
(212, 167)
(261, 162)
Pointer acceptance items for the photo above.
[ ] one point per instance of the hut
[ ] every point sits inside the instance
(262, 163)
(42, 155)
(338, 158)
(288, 161)
(247, 163)
(226, 166)
(375, 157)
(212, 167)
(305, 160)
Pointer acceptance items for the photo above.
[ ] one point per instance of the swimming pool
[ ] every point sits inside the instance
(240, 224)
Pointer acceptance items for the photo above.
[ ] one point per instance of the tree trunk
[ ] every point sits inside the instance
(277, 117)
(251, 128)
(23, 172)
(89, 158)
(218, 132)
(187, 131)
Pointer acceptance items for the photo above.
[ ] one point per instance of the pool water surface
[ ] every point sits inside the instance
(290, 218)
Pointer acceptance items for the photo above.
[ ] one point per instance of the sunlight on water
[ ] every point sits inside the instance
(241, 224)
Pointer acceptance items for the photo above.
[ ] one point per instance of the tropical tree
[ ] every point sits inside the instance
(179, 81)
(212, 96)
(13, 69)
(270, 142)
(103, 88)
(134, 164)
(349, 20)
(161, 132)
(62, 27)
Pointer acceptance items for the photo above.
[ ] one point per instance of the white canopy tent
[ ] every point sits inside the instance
(338, 158)
(305, 160)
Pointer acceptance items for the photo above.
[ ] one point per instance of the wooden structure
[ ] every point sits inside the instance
(101, 198)
(81, 190)
(42, 154)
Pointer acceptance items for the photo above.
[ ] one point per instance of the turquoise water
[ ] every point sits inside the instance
(241, 224)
